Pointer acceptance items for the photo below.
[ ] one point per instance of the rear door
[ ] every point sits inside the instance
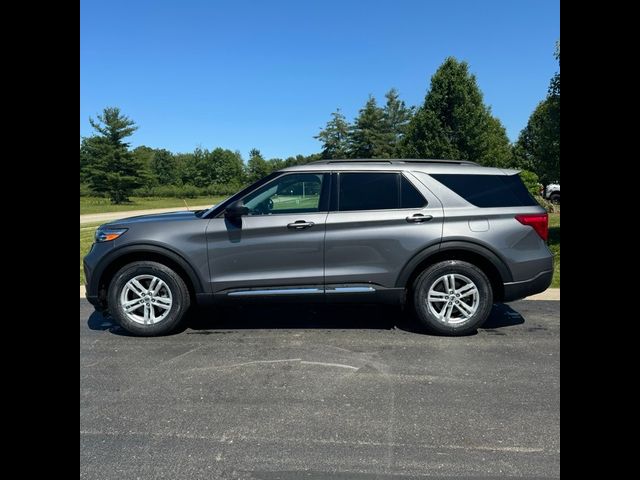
(379, 221)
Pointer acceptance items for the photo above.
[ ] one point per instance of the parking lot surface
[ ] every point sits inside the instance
(300, 392)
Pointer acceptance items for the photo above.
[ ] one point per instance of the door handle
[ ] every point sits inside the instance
(300, 225)
(419, 218)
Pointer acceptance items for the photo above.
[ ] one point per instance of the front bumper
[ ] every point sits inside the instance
(517, 290)
(89, 264)
(92, 298)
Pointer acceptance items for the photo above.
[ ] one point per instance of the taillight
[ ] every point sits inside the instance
(539, 222)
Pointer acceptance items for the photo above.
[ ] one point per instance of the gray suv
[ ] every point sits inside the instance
(446, 238)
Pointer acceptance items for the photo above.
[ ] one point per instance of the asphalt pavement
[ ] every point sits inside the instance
(300, 392)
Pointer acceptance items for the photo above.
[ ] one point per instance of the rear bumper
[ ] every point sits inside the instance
(517, 290)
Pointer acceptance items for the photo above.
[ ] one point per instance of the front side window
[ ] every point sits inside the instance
(294, 193)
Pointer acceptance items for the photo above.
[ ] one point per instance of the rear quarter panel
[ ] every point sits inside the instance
(519, 246)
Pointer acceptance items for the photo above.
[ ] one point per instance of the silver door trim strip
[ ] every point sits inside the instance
(284, 291)
(350, 289)
(301, 291)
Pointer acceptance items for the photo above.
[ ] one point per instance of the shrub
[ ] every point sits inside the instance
(188, 191)
(179, 191)
(85, 190)
(530, 181)
(223, 189)
(547, 205)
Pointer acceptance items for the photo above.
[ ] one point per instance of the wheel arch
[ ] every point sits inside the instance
(482, 257)
(135, 253)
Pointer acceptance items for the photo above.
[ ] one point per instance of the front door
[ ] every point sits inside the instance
(280, 243)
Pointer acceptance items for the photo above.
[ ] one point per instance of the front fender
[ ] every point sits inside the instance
(142, 248)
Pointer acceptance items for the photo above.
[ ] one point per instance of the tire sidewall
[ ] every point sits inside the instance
(180, 299)
(426, 279)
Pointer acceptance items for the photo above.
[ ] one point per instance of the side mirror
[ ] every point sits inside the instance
(236, 210)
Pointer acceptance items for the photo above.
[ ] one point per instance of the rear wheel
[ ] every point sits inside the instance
(452, 297)
(554, 198)
(148, 298)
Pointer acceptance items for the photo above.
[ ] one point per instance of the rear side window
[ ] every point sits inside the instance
(410, 197)
(378, 191)
(488, 190)
(368, 191)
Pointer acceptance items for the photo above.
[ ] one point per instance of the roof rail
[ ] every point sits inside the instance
(459, 162)
(372, 160)
(392, 161)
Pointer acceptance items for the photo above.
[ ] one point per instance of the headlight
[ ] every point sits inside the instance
(106, 235)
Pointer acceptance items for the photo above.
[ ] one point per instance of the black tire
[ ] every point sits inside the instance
(428, 277)
(179, 294)
(554, 198)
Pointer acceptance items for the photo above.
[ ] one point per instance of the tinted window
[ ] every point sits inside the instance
(410, 196)
(368, 191)
(295, 193)
(488, 190)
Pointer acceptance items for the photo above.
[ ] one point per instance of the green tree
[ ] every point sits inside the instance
(454, 122)
(369, 136)
(227, 166)
(113, 169)
(302, 159)
(275, 164)
(89, 149)
(143, 155)
(335, 137)
(257, 166)
(538, 145)
(396, 116)
(203, 168)
(531, 181)
(164, 167)
(554, 86)
(185, 165)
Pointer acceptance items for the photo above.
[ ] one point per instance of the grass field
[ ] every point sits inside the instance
(86, 239)
(103, 205)
(554, 246)
(283, 202)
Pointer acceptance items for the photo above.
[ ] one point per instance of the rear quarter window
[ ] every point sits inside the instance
(488, 190)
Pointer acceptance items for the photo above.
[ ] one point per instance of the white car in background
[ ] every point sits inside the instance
(553, 192)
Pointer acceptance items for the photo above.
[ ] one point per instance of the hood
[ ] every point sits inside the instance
(155, 217)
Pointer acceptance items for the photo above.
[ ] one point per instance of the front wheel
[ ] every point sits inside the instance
(148, 298)
(452, 297)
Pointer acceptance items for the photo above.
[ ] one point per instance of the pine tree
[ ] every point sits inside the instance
(454, 122)
(396, 116)
(113, 169)
(369, 136)
(335, 137)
